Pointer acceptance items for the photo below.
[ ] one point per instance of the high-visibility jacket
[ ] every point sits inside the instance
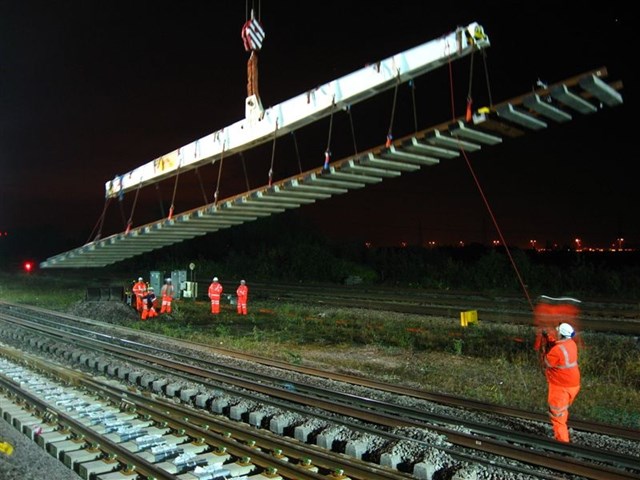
(242, 293)
(139, 289)
(561, 364)
(167, 290)
(215, 291)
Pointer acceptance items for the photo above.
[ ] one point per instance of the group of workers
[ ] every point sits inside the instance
(215, 293)
(146, 300)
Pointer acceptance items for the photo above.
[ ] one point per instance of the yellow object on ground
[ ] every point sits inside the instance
(470, 316)
(6, 448)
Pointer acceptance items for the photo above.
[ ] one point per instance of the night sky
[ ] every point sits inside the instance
(89, 90)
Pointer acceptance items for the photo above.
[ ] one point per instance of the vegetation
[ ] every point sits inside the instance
(487, 362)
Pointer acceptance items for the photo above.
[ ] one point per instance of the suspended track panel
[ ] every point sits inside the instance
(583, 94)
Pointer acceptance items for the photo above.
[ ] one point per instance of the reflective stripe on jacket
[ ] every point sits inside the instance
(562, 364)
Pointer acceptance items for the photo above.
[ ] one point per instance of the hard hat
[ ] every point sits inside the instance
(565, 330)
(150, 288)
(242, 282)
(139, 279)
(215, 279)
(167, 279)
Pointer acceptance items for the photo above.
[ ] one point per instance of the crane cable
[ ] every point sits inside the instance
(244, 169)
(295, 146)
(353, 131)
(175, 186)
(133, 208)
(412, 85)
(215, 195)
(327, 151)
(100, 223)
(486, 203)
(273, 152)
(393, 112)
(202, 190)
(160, 204)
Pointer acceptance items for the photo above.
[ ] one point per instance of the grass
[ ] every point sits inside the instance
(487, 362)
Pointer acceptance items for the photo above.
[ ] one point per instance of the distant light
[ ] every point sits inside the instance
(28, 266)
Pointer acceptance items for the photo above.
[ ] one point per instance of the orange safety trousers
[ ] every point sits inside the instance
(148, 312)
(215, 305)
(166, 304)
(242, 306)
(560, 399)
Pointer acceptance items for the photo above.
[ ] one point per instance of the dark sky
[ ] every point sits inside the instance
(93, 89)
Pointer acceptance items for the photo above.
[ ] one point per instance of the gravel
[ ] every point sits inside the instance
(28, 461)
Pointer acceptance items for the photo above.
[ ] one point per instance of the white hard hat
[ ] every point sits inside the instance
(565, 330)
(215, 279)
(150, 288)
(242, 282)
(167, 279)
(139, 279)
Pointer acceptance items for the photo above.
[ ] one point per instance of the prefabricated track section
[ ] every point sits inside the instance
(584, 94)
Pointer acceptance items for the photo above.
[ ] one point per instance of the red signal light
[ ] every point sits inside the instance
(28, 266)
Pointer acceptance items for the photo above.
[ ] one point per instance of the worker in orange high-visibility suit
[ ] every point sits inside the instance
(166, 293)
(149, 305)
(242, 292)
(215, 292)
(139, 290)
(563, 378)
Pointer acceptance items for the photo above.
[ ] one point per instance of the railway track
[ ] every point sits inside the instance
(478, 440)
(600, 315)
